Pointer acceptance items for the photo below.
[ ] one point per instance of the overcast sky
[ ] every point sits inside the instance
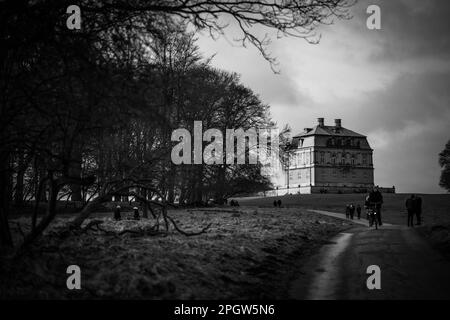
(392, 85)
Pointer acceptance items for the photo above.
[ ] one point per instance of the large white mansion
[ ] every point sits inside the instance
(327, 159)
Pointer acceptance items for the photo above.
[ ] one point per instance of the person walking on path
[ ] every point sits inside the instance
(418, 209)
(358, 211)
(347, 211)
(410, 208)
(352, 211)
(376, 198)
(366, 206)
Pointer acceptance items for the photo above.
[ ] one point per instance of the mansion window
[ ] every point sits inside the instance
(322, 157)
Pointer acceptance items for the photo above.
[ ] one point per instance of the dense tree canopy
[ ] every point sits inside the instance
(87, 115)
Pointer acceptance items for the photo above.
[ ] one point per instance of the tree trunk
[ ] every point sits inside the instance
(43, 195)
(75, 172)
(5, 198)
(171, 184)
(220, 191)
(45, 221)
(21, 167)
(145, 209)
(198, 185)
(84, 214)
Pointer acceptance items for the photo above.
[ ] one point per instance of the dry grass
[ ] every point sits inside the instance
(250, 254)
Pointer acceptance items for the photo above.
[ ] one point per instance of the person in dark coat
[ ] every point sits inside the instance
(418, 209)
(275, 204)
(366, 206)
(347, 211)
(352, 211)
(375, 197)
(279, 203)
(117, 213)
(410, 208)
(358, 211)
(136, 213)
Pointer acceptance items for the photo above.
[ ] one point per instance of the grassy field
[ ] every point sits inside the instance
(249, 252)
(246, 254)
(436, 207)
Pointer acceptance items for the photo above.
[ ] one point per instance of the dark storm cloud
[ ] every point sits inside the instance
(411, 98)
(411, 28)
(392, 85)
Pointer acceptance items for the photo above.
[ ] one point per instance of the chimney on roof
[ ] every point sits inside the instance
(320, 121)
(337, 123)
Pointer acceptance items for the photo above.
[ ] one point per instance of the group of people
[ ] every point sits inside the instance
(414, 208)
(373, 199)
(234, 203)
(118, 216)
(350, 211)
(277, 203)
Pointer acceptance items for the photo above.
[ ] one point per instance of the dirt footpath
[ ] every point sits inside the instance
(410, 268)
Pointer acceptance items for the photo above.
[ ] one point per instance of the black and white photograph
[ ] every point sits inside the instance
(231, 157)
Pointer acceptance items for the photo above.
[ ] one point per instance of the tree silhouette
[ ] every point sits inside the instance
(444, 162)
(86, 115)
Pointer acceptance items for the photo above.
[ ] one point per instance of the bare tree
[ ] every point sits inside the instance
(296, 18)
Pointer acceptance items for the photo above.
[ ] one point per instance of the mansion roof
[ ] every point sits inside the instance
(329, 131)
(330, 136)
